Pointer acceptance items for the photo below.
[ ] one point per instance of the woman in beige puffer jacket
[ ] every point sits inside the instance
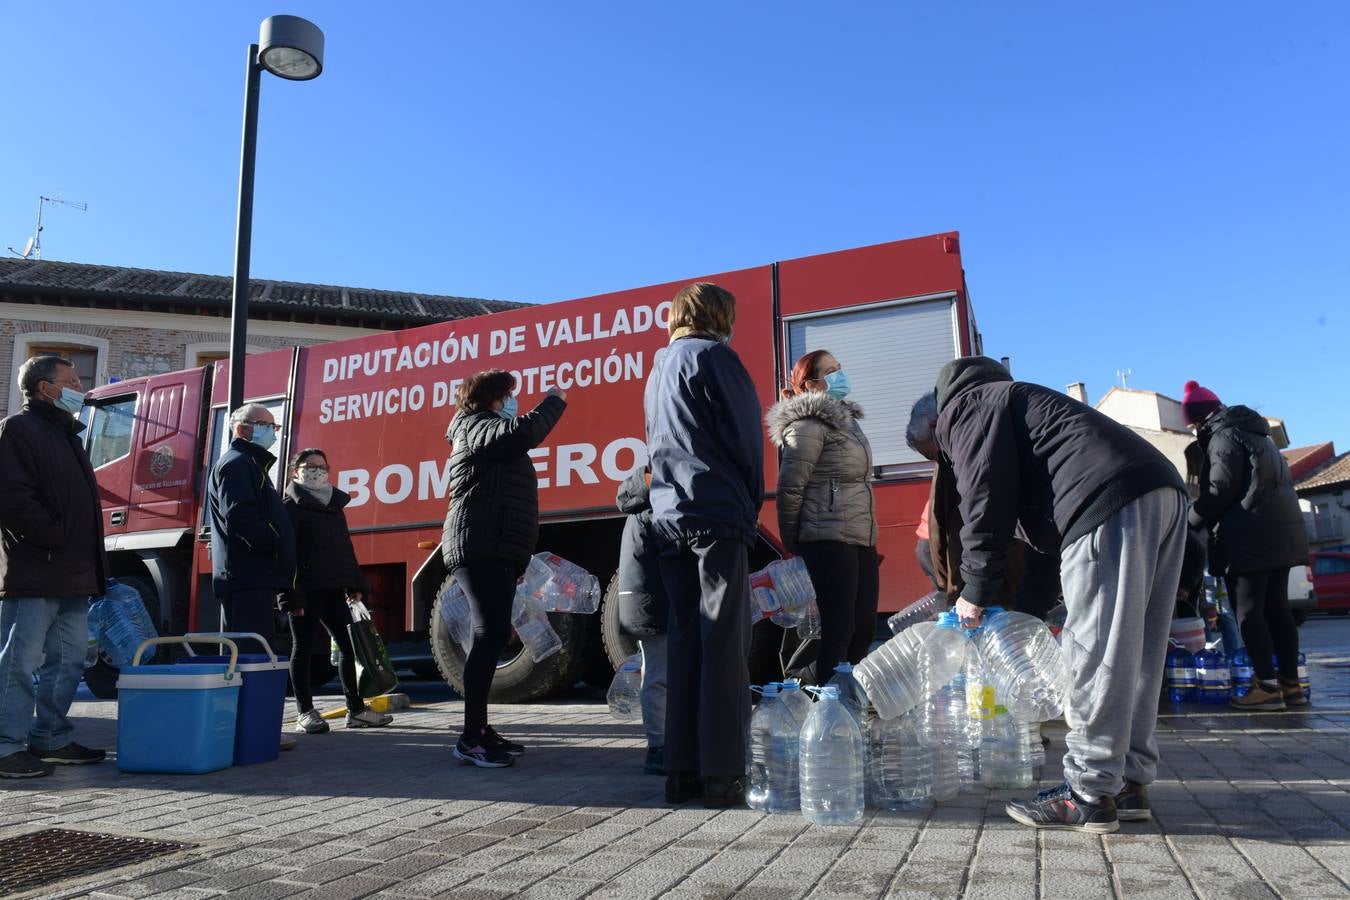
(826, 513)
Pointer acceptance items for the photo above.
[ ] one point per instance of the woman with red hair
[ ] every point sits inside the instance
(825, 509)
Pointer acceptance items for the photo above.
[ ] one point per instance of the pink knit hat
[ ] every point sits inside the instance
(1197, 403)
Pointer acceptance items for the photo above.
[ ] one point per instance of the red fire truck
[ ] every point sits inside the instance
(379, 405)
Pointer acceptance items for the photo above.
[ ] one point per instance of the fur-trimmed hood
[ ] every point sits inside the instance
(832, 411)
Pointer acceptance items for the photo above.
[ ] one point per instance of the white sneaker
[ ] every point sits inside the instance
(368, 718)
(310, 723)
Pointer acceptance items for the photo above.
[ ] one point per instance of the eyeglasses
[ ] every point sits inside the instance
(258, 422)
(307, 467)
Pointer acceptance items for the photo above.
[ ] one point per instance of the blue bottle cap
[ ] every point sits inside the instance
(844, 667)
(829, 692)
(949, 619)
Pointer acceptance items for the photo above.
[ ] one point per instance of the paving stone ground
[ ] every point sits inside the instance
(1247, 806)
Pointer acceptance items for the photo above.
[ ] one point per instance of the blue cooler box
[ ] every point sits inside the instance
(176, 719)
(262, 704)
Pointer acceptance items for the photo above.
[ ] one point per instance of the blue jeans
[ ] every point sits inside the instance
(49, 637)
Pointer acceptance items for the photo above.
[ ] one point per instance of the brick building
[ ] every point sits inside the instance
(116, 322)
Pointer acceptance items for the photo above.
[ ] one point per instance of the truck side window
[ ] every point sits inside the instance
(110, 431)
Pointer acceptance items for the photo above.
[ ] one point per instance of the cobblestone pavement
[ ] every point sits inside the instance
(1246, 806)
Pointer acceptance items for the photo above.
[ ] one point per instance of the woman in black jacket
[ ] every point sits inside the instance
(329, 578)
(1248, 505)
(490, 532)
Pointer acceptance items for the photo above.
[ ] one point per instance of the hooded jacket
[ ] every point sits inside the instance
(51, 520)
(494, 491)
(324, 556)
(642, 596)
(252, 542)
(1030, 456)
(825, 475)
(1247, 498)
(704, 441)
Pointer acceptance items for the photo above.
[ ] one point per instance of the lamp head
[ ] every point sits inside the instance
(290, 47)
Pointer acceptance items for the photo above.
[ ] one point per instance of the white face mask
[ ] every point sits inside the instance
(312, 478)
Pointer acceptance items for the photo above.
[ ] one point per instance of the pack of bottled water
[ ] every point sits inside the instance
(625, 691)
(560, 585)
(528, 618)
(782, 591)
(122, 623)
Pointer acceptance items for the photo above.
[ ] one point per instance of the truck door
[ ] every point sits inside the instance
(166, 452)
(111, 422)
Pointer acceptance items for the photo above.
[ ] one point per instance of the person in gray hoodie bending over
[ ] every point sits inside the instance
(1113, 507)
(706, 454)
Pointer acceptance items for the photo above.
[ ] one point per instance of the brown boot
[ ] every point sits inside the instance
(1293, 693)
(1259, 698)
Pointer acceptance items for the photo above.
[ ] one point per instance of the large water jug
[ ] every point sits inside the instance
(831, 763)
(1303, 681)
(1213, 679)
(532, 626)
(926, 609)
(980, 695)
(1025, 662)
(1035, 744)
(944, 721)
(625, 691)
(791, 695)
(457, 616)
(946, 765)
(968, 769)
(901, 769)
(124, 624)
(1005, 755)
(97, 610)
(1241, 670)
(851, 693)
(900, 673)
(774, 763)
(1180, 677)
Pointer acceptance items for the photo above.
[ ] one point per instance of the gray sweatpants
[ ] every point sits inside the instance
(653, 694)
(1120, 587)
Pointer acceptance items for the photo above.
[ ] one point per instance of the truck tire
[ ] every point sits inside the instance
(618, 646)
(101, 678)
(519, 679)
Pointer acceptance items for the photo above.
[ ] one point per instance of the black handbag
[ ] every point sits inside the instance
(374, 670)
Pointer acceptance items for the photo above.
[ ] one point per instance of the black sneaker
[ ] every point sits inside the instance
(1061, 809)
(71, 754)
(22, 764)
(655, 763)
(1132, 803)
(721, 792)
(493, 739)
(482, 756)
(681, 787)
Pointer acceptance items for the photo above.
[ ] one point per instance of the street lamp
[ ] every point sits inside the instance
(292, 48)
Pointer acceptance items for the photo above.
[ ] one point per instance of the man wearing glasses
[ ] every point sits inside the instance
(252, 542)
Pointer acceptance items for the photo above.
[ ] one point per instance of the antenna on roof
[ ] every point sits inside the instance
(32, 248)
(1124, 376)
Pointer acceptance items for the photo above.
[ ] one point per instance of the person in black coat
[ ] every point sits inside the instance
(490, 532)
(331, 579)
(644, 609)
(1247, 504)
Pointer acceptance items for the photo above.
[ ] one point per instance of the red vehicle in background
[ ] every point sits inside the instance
(379, 405)
(1331, 580)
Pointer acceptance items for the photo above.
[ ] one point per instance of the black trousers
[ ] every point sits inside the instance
(923, 550)
(325, 612)
(490, 586)
(847, 580)
(253, 611)
(708, 644)
(1261, 601)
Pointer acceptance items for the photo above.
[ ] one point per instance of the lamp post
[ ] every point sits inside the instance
(292, 48)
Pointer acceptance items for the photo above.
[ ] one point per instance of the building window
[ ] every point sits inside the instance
(88, 355)
(209, 352)
(83, 359)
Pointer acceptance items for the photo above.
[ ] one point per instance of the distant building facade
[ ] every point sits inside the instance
(1322, 480)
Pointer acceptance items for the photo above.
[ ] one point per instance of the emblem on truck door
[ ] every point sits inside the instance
(162, 461)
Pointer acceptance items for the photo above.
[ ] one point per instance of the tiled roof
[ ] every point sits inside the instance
(1331, 475)
(1303, 460)
(212, 292)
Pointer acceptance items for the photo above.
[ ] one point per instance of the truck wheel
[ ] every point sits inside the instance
(519, 679)
(101, 678)
(618, 646)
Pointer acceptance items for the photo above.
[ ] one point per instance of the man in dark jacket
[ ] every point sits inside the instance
(1085, 487)
(1247, 504)
(252, 542)
(51, 564)
(643, 609)
(707, 461)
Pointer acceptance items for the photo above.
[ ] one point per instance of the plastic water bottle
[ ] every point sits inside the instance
(532, 626)
(1035, 747)
(791, 695)
(980, 694)
(946, 768)
(1241, 670)
(1180, 675)
(1005, 755)
(97, 610)
(944, 721)
(968, 769)
(808, 626)
(124, 624)
(901, 769)
(792, 588)
(1025, 662)
(457, 616)
(899, 674)
(851, 693)
(1213, 679)
(926, 609)
(1303, 680)
(832, 758)
(624, 697)
(774, 763)
(568, 588)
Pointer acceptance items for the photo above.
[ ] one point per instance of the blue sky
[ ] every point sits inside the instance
(1156, 187)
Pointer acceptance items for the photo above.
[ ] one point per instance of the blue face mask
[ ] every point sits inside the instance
(837, 384)
(509, 408)
(264, 436)
(70, 401)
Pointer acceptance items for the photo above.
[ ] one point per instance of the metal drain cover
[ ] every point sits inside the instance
(56, 854)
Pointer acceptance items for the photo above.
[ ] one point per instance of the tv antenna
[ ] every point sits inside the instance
(32, 248)
(1124, 376)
